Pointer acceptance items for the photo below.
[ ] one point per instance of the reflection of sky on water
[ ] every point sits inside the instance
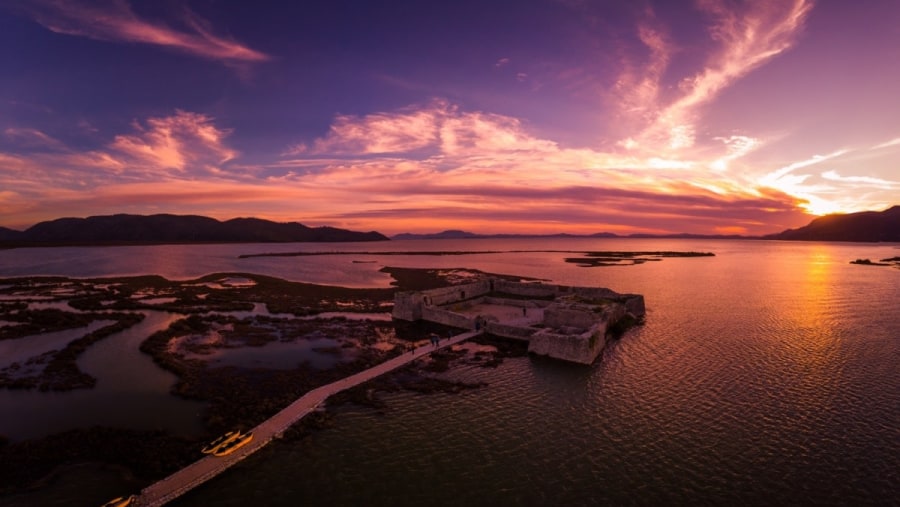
(21, 349)
(280, 355)
(131, 391)
(57, 305)
(182, 262)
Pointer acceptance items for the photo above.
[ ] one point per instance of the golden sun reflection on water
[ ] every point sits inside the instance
(809, 341)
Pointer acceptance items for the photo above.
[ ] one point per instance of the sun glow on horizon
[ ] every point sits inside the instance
(821, 207)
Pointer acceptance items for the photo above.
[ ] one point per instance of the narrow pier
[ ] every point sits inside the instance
(208, 467)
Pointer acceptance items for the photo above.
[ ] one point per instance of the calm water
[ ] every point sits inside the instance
(131, 391)
(765, 375)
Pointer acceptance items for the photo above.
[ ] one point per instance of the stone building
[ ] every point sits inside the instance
(563, 322)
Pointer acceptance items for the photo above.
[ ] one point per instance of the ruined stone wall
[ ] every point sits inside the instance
(456, 293)
(507, 331)
(613, 313)
(576, 330)
(535, 290)
(568, 316)
(634, 304)
(583, 348)
(595, 293)
(543, 290)
(408, 306)
(447, 318)
(521, 303)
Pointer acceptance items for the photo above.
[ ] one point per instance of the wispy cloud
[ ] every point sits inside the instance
(378, 133)
(184, 143)
(825, 190)
(887, 144)
(637, 87)
(865, 181)
(781, 176)
(178, 142)
(748, 35)
(737, 146)
(29, 138)
(115, 20)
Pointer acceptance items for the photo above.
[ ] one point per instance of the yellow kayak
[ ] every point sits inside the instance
(122, 501)
(224, 439)
(233, 445)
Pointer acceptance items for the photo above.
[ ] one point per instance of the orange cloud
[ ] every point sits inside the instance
(184, 143)
(487, 168)
(469, 169)
(115, 21)
(175, 142)
(378, 133)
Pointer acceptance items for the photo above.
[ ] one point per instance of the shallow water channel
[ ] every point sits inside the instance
(131, 391)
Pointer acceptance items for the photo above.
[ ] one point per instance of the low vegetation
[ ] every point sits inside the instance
(236, 397)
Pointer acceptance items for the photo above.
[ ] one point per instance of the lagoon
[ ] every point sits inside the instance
(767, 374)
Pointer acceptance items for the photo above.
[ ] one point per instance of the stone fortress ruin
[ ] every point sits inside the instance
(562, 322)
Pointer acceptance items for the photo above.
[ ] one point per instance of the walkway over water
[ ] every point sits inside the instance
(208, 467)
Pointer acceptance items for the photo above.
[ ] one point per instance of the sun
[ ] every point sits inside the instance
(817, 206)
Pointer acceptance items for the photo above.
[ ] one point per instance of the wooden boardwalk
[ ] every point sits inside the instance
(209, 466)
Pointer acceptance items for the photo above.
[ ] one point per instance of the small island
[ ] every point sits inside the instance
(892, 261)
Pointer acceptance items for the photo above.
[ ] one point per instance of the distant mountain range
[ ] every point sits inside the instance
(166, 228)
(866, 226)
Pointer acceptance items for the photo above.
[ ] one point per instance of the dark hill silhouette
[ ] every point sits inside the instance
(167, 228)
(9, 234)
(866, 226)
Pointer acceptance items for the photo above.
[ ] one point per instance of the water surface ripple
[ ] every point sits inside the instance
(766, 375)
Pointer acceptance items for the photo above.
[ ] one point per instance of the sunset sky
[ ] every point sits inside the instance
(540, 116)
